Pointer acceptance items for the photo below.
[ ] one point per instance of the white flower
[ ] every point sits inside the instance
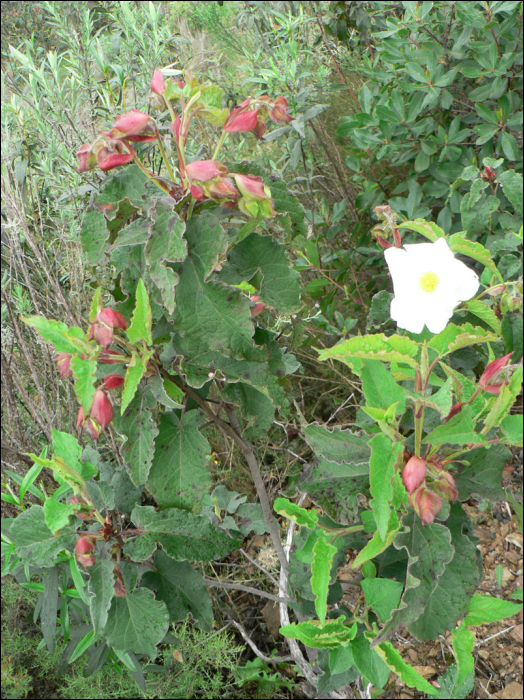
(428, 283)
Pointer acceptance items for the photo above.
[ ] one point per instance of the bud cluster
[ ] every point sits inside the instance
(427, 484)
(203, 179)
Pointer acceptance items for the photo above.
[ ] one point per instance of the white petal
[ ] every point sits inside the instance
(407, 315)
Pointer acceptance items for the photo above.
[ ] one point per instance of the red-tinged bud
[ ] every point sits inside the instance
(445, 486)
(112, 381)
(158, 84)
(63, 363)
(382, 209)
(241, 119)
(495, 291)
(130, 124)
(397, 238)
(221, 188)
(454, 410)
(112, 318)
(197, 192)
(414, 473)
(120, 589)
(427, 504)
(108, 161)
(385, 244)
(260, 129)
(86, 158)
(280, 112)
(252, 187)
(257, 308)
(203, 170)
(175, 126)
(85, 544)
(488, 175)
(101, 410)
(88, 513)
(488, 380)
(88, 423)
(105, 322)
(105, 359)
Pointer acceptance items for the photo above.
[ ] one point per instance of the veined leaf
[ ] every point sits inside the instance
(323, 553)
(394, 348)
(135, 372)
(140, 328)
(328, 636)
(455, 337)
(485, 608)
(384, 456)
(292, 511)
(427, 228)
(404, 671)
(70, 340)
(463, 642)
(485, 313)
(473, 249)
(101, 589)
(459, 430)
(85, 377)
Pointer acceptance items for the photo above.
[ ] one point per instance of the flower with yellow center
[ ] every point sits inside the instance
(428, 282)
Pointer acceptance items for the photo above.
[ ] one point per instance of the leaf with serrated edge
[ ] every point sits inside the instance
(473, 249)
(485, 313)
(337, 445)
(393, 348)
(384, 456)
(57, 514)
(36, 545)
(369, 663)
(135, 372)
(208, 311)
(179, 474)
(449, 601)
(483, 476)
(101, 588)
(376, 544)
(85, 377)
(323, 553)
(280, 287)
(429, 549)
(463, 642)
(137, 623)
(459, 430)
(455, 337)
(382, 594)
(485, 608)
(182, 534)
(140, 328)
(182, 589)
(328, 636)
(296, 513)
(380, 388)
(404, 671)
(427, 228)
(512, 429)
(70, 340)
(93, 236)
(140, 430)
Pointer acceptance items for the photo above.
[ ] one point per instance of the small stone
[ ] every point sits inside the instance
(426, 671)
(513, 691)
(484, 654)
(413, 656)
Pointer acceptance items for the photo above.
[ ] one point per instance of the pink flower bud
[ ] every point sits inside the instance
(197, 192)
(257, 308)
(496, 290)
(158, 84)
(414, 473)
(112, 381)
(101, 410)
(252, 187)
(105, 359)
(129, 124)
(203, 170)
(108, 161)
(488, 380)
(427, 504)
(241, 119)
(397, 238)
(280, 112)
(445, 486)
(63, 363)
(88, 423)
(86, 158)
(103, 326)
(112, 318)
(83, 550)
(385, 244)
(222, 188)
(454, 410)
(87, 513)
(175, 126)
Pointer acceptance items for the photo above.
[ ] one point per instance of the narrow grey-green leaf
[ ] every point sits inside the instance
(140, 430)
(101, 588)
(48, 614)
(140, 328)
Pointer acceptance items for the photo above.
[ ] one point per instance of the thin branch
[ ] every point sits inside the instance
(246, 589)
(488, 639)
(250, 643)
